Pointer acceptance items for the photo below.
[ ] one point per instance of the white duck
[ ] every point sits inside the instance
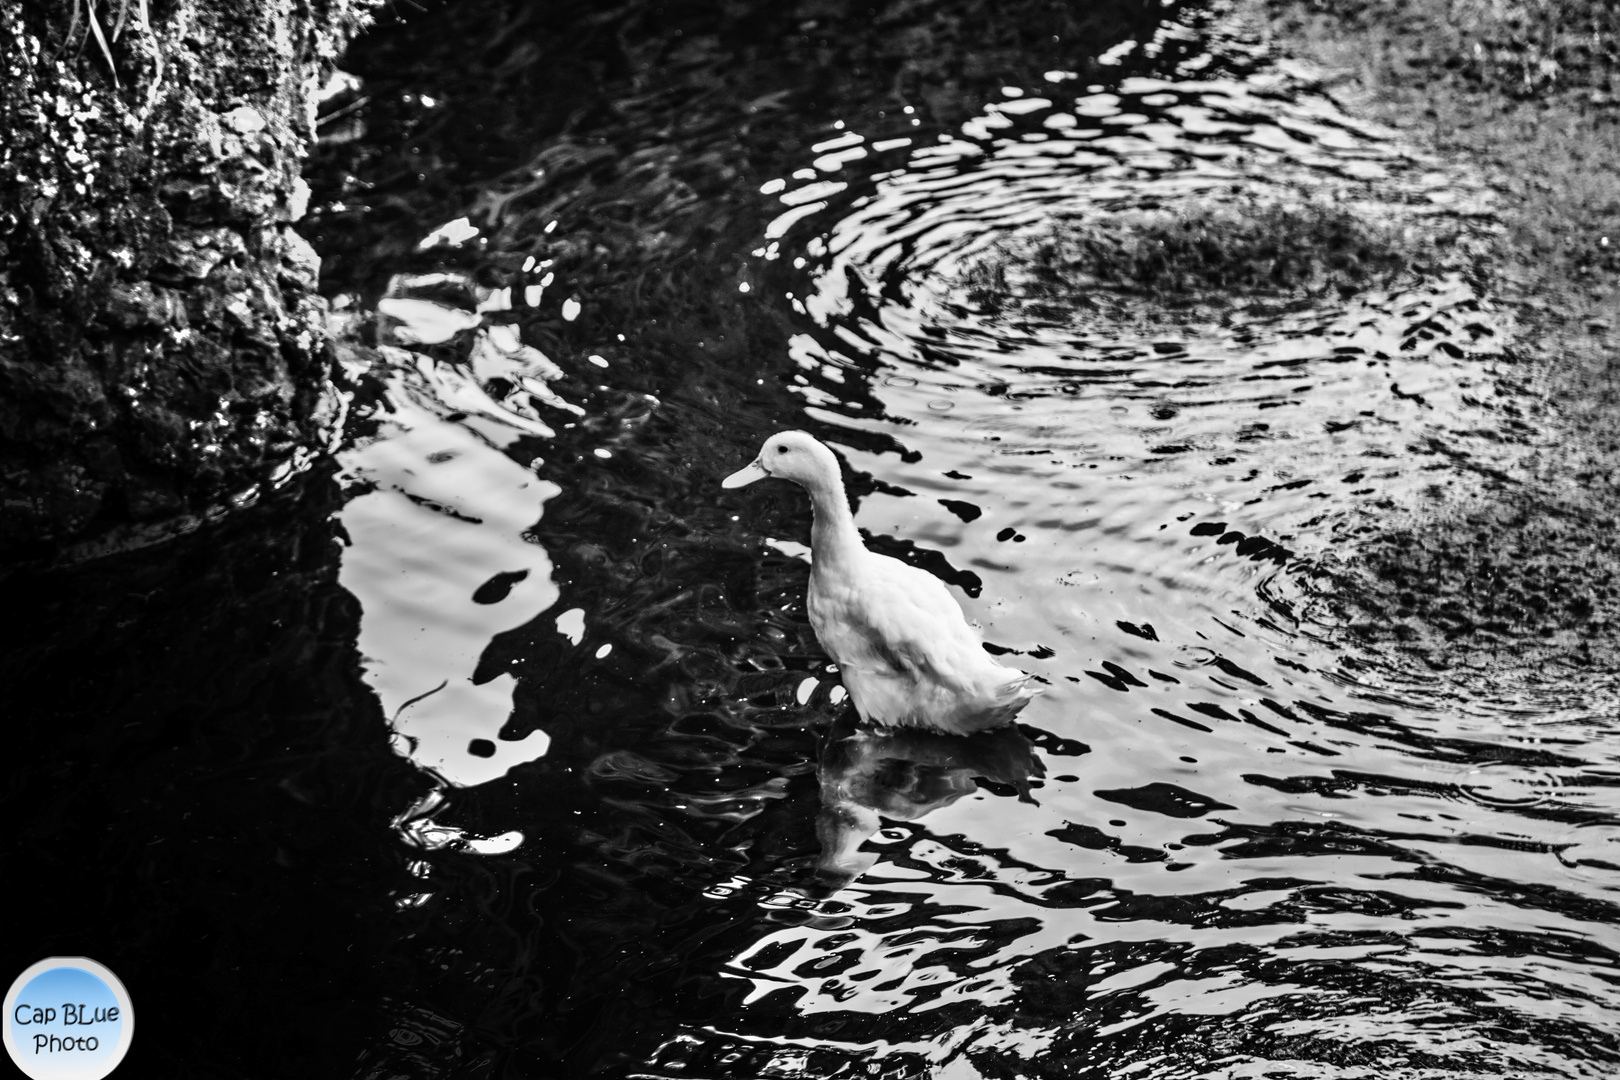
(907, 655)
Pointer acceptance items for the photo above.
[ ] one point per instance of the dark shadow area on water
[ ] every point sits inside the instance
(198, 793)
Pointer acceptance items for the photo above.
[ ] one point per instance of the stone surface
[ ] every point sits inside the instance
(161, 343)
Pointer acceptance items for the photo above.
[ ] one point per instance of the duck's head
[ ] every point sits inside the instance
(789, 455)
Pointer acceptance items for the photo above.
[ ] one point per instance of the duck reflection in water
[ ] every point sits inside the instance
(906, 655)
(901, 774)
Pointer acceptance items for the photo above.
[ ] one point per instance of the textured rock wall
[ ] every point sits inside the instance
(161, 344)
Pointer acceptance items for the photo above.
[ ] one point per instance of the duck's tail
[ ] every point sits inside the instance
(955, 709)
(1003, 701)
(1011, 697)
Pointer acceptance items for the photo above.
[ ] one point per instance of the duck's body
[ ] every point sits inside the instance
(907, 655)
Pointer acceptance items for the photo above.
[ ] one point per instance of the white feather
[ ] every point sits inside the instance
(906, 653)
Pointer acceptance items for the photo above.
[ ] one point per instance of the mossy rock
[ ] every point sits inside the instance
(1202, 254)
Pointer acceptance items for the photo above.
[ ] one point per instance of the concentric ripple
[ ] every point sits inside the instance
(1227, 840)
(1251, 839)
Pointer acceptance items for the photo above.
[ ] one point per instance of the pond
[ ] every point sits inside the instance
(499, 744)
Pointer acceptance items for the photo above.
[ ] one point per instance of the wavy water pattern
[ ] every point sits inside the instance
(1230, 839)
(1258, 849)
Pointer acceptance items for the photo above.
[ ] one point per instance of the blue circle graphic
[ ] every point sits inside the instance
(64, 1022)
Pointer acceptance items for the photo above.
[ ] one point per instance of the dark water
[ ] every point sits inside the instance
(502, 747)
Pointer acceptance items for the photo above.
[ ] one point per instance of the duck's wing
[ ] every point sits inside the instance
(970, 690)
(915, 623)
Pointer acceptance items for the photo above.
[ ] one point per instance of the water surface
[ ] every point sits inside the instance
(1258, 846)
(619, 821)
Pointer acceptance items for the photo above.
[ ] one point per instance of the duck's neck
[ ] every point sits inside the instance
(835, 545)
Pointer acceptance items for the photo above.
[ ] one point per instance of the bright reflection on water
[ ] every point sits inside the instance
(441, 509)
(1247, 828)
(1227, 840)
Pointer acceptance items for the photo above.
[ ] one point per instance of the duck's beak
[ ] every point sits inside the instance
(745, 475)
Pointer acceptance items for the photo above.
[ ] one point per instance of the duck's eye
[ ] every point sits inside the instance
(781, 449)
